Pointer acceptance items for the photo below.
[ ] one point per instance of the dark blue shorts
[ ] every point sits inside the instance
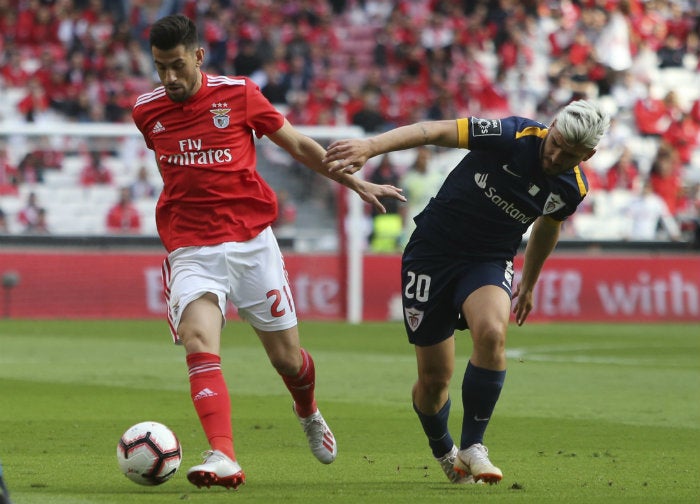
(434, 286)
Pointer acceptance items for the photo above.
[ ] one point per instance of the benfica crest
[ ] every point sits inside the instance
(220, 111)
(413, 317)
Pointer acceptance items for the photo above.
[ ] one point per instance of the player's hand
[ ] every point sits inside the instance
(347, 156)
(523, 304)
(370, 193)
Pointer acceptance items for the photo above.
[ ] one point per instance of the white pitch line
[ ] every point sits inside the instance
(525, 355)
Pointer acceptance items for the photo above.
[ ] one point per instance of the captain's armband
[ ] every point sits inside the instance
(463, 133)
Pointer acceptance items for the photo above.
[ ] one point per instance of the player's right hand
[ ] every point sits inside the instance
(346, 156)
(523, 304)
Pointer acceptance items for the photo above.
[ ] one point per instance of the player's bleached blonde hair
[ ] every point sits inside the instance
(582, 122)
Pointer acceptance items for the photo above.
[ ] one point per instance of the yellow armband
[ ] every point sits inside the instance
(463, 133)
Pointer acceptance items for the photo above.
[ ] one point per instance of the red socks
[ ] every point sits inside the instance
(302, 386)
(211, 400)
(213, 404)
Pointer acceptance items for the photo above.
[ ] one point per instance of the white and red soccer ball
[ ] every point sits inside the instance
(149, 453)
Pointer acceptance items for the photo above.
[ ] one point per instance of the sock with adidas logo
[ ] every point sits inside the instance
(302, 386)
(211, 400)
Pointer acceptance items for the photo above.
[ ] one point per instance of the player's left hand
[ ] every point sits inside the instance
(523, 304)
(370, 193)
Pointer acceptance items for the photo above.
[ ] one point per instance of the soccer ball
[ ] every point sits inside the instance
(149, 453)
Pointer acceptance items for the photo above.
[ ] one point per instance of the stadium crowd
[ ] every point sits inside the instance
(379, 64)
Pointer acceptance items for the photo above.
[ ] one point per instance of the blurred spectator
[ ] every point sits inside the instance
(369, 117)
(8, 175)
(286, 212)
(37, 25)
(12, 71)
(665, 178)
(4, 229)
(297, 46)
(651, 114)
(386, 173)
(298, 112)
(694, 218)
(648, 214)
(35, 103)
(42, 225)
(51, 157)
(247, 61)
(671, 52)
(419, 184)
(142, 188)
(386, 233)
(627, 90)
(683, 135)
(386, 227)
(30, 169)
(612, 47)
(695, 110)
(624, 174)
(298, 77)
(95, 171)
(124, 217)
(32, 217)
(274, 87)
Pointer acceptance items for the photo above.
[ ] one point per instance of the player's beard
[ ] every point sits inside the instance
(177, 93)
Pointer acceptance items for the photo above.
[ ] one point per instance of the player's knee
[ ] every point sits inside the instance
(285, 364)
(194, 340)
(433, 384)
(490, 340)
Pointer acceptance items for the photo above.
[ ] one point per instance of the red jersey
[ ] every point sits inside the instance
(212, 192)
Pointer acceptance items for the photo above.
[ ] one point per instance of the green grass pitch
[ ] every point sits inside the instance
(590, 414)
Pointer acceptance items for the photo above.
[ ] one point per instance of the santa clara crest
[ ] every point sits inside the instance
(220, 111)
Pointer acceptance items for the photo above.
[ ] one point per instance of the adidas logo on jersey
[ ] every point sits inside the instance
(204, 393)
(158, 128)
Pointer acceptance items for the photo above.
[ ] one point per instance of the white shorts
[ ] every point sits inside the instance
(250, 274)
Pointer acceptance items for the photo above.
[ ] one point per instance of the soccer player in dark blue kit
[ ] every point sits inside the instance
(457, 268)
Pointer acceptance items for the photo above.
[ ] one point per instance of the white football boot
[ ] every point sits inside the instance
(217, 469)
(321, 439)
(447, 463)
(475, 461)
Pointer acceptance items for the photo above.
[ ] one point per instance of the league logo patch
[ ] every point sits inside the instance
(220, 111)
(553, 203)
(413, 318)
(486, 127)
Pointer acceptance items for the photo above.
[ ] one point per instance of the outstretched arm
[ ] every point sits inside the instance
(543, 239)
(348, 156)
(308, 152)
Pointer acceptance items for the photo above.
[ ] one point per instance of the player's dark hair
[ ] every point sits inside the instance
(172, 31)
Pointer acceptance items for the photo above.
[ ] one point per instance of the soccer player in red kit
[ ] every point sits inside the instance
(213, 217)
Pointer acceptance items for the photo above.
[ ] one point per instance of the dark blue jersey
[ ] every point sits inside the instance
(497, 191)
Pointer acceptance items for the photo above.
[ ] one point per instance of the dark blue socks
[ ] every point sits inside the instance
(435, 428)
(480, 391)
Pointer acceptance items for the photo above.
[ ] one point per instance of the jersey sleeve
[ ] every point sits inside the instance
(137, 117)
(262, 116)
(576, 189)
(498, 134)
